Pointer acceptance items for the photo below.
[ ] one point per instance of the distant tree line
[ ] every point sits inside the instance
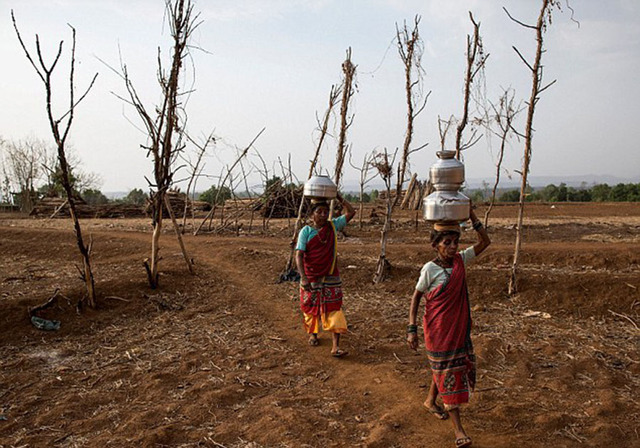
(562, 193)
(367, 197)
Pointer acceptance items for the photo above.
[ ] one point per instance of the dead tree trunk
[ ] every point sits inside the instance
(536, 90)
(364, 180)
(164, 126)
(60, 136)
(349, 71)
(323, 127)
(504, 117)
(410, 50)
(475, 63)
(187, 259)
(385, 169)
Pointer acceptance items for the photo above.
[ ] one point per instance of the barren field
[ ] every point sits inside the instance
(220, 359)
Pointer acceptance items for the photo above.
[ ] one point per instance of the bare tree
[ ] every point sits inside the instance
(79, 179)
(22, 168)
(410, 49)
(163, 124)
(385, 169)
(289, 180)
(348, 71)
(227, 176)
(505, 113)
(196, 171)
(60, 127)
(536, 69)
(476, 59)
(365, 178)
(443, 129)
(334, 94)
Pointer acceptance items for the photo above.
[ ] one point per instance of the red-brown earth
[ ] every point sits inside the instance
(219, 359)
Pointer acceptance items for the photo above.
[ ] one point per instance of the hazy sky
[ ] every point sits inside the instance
(271, 63)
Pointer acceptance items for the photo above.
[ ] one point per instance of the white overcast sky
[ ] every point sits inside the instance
(271, 63)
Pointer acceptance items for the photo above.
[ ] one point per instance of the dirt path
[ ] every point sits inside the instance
(221, 359)
(347, 402)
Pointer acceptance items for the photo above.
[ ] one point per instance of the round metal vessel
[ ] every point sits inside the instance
(447, 174)
(446, 206)
(320, 187)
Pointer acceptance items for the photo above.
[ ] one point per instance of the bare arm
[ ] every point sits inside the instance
(350, 211)
(412, 337)
(304, 281)
(483, 236)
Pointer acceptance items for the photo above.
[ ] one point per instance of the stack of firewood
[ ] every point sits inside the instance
(413, 195)
(59, 208)
(281, 202)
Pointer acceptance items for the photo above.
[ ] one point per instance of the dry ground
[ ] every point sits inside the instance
(220, 360)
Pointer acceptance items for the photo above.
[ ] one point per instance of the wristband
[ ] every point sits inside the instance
(412, 328)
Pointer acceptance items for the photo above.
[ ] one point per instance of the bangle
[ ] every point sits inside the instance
(477, 225)
(412, 328)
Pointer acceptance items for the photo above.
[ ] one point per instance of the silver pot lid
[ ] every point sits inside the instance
(320, 181)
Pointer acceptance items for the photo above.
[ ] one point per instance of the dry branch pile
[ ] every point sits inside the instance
(59, 208)
(280, 201)
(177, 201)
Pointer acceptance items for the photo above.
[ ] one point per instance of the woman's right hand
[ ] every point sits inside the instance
(412, 341)
(305, 284)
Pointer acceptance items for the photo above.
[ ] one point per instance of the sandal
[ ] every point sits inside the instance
(438, 412)
(314, 341)
(463, 441)
(339, 353)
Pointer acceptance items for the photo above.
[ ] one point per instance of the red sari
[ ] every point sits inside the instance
(447, 335)
(320, 267)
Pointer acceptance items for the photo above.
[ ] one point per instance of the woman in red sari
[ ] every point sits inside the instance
(320, 283)
(447, 323)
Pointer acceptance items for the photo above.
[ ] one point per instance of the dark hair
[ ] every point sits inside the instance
(437, 235)
(315, 205)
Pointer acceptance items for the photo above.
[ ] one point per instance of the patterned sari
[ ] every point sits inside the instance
(447, 335)
(323, 303)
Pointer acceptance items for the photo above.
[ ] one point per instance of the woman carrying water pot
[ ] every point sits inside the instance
(447, 322)
(320, 283)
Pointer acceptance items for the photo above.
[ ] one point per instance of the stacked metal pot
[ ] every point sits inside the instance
(320, 187)
(446, 204)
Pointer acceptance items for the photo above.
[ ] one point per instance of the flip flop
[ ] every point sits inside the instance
(339, 353)
(314, 342)
(463, 441)
(438, 412)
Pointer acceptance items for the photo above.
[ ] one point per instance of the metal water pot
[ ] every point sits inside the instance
(447, 174)
(320, 187)
(446, 206)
